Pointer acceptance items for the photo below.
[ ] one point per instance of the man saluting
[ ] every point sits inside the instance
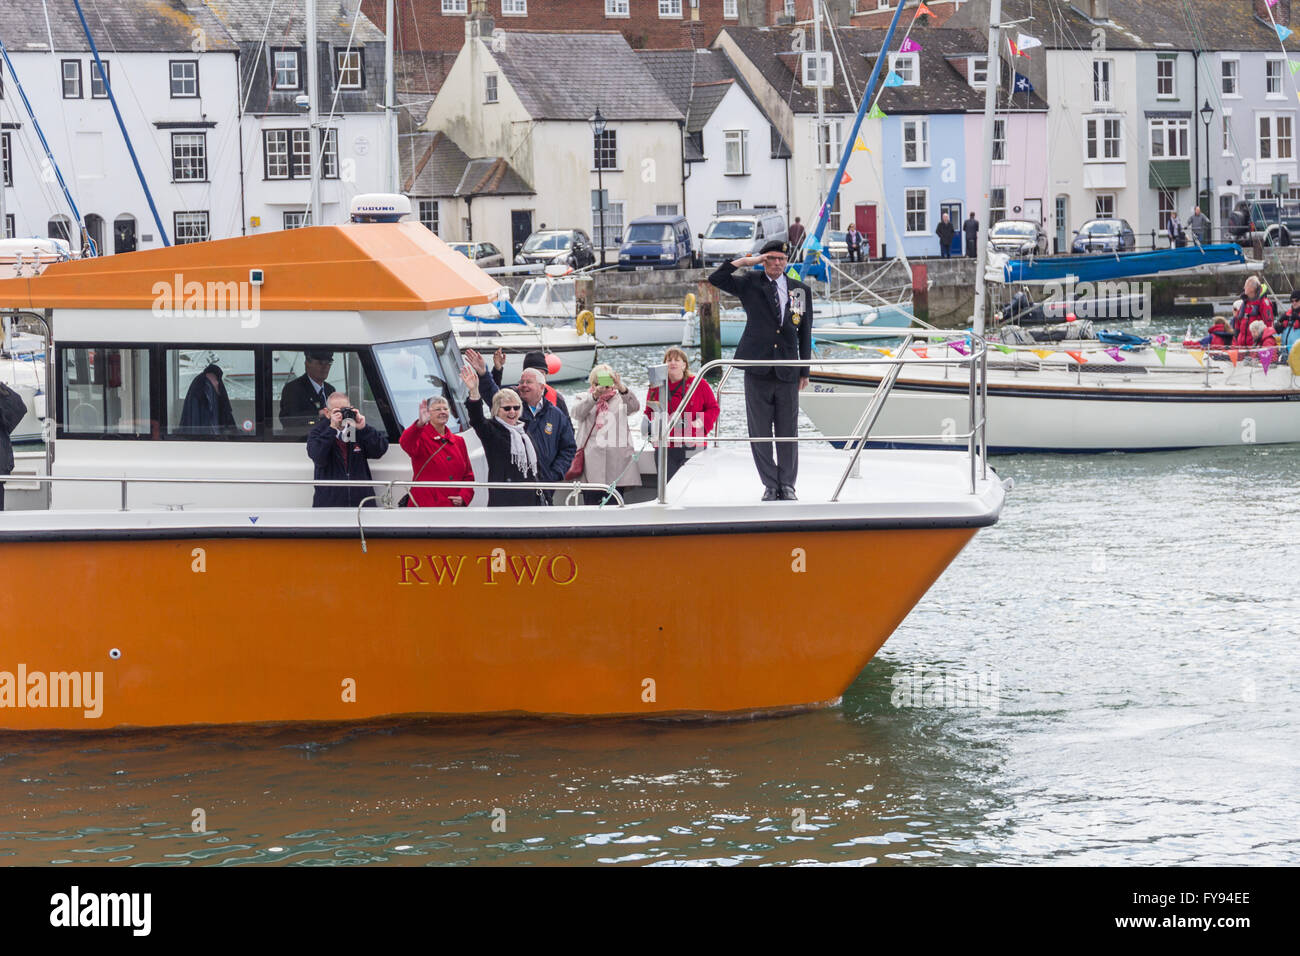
(778, 325)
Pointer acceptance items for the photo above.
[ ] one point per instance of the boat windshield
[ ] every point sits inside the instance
(649, 232)
(420, 369)
(546, 242)
(730, 229)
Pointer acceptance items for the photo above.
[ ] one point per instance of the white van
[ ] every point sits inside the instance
(739, 232)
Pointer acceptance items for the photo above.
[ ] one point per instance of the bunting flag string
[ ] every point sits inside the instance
(1295, 66)
(1160, 351)
(909, 46)
(923, 9)
(1282, 32)
(1232, 354)
(860, 147)
(1026, 42)
(1114, 353)
(876, 113)
(1077, 356)
(1042, 353)
(846, 179)
(1004, 349)
(921, 351)
(893, 79)
(1198, 355)
(1265, 359)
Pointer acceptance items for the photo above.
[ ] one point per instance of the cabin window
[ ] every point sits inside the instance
(210, 393)
(420, 369)
(104, 391)
(297, 376)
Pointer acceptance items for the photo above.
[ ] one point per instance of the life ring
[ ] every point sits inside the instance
(1293, 360)
(688, 303)
(586, 322)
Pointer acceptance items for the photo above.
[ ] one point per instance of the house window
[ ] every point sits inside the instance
(514, 8)
(1105, 206)
(300, 154)
(348, 74)
(1102, 85)
(489, 87)
(185, 79)
(916, 142)
(997, 204)
(1273, 77)
(275, 154)
(1165, 82)
(1104, 139)
(978, 71)
(817, 70)
(453, 6)
(917, 211)
(828, 143)
(98, 88)
(832, 218)
(10, 230)
(72, 79)
(329, 154)
(729, 10)
(189, 157)
(428, 210)
(727, 205)
(669, 209)
(670, 8)
(606, 150)
(297, 219)
(1227, 132)
(284, 70)
(616, 8)
(613, 219)
(736, 152)
(906, 66)
(6, 164)
(191, 227)
(1230, 70)
(286, 153)
(788, 8)
(1000, 141)
(1169, 138)
(1275, 136)
(1168, 204)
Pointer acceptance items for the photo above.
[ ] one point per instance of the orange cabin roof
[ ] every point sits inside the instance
(355, 267)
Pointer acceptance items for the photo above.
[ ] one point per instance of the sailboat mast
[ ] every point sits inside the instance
(390, 101)
(991, 88)
(822, 129)
(313, 116)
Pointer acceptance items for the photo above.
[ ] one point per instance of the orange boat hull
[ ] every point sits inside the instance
(223, 631)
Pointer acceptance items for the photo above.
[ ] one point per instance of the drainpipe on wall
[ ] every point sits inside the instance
(681, 129)
(239, 121)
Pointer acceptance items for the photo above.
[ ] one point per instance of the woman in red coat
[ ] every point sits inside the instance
(437, 454)
(701, 412)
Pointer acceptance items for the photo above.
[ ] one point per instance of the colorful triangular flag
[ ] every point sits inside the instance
(1265, 359)
(1026, 42)
(887, 353)
(1282, 32)
(860, 147)
(1295, 66)
(1232, 354)
(893, 79)
(923, 9)
(909, 46)
(1077, 356)
(959, 348)
(845, 179)
(1015, 50)
(876, 112)
(1160, 351)
(1042, 353)
(1113, 352)
(1198, 355)
(921, 351)
(1004, 349)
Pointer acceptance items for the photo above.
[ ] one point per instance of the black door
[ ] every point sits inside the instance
(521, 227)
(124, 236)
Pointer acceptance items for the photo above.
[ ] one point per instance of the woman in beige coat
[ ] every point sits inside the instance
(600, 419)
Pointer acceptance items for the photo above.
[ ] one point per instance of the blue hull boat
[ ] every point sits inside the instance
(1105, 266)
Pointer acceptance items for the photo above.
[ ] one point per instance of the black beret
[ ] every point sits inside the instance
(776, 245)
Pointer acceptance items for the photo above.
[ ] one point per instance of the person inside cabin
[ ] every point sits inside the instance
(1288, 323)
(600, 416)
(341, 446)
(303, 399)
(511, 454)
(207, 408)
(535, 360)
(12, 411)
(1220, 334)
(701, 413)
(437, 454)
(1254, 306)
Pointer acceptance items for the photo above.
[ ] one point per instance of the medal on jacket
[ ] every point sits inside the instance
(797, 305)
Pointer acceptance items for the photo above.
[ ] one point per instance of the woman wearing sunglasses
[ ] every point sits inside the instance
(510, 452)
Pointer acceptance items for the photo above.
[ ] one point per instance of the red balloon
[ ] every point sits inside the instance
(553, 363)
(1071, 317)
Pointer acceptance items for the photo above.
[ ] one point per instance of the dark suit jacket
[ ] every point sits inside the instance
(299, 406)
(767, 335)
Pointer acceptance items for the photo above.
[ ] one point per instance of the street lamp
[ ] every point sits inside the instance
(597, 123)
(1207, 114)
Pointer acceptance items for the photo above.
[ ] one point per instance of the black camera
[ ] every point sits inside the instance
(349, 414)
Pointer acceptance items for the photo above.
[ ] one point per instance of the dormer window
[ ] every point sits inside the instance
(284, 70)
(977, 71)
(907, 66)
(817, 69)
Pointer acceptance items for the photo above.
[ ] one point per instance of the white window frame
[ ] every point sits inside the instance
(617, 8)
(1102, 120)
(1163, 138)
(74, 79)
(911, 63)
(344, 66)
(276, 69)
(94, 76)
(829, 144)
(1274, 138)
(1235, 62)
(454, 8)
(811, 75)
(670, 9)
(1103, 89)
(920, 125)
(296, 219)
(514, 8)
(1165, 210)
(923, 211)
(428, 213)
(193, 217)
(726, 205)
(1000, 126)
(6, 162)
(614, 224)
(739, 139)
(978, 76)
(1172, 78)
(190, 154)
(1227, 132)
(1269, 64)
(1096, 206)
(491, 87)
(184, 81)
(995, 207)
(598, 143)
(666, 209)
(730, 9)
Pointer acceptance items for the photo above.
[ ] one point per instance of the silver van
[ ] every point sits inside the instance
(739, 232)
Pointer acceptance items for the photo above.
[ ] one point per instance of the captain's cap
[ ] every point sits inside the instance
(319, 355)
(776, 245)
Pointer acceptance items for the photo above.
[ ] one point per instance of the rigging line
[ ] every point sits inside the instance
(49, 193)
(63, 116)
(329, 120)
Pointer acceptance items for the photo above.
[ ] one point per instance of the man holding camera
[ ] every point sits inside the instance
(341, 446)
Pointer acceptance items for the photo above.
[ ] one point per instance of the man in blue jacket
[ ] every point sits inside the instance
(548, 427)
(340, 460)
(778, 325)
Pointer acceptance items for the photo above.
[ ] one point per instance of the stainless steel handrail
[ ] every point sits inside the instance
(869, 415)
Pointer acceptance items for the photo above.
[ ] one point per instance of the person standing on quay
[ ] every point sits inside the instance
(1199, 226)
(778, 326)
(795, 234)
(971, 230)
(945, 232)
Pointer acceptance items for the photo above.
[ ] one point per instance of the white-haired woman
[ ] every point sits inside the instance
(600, 416)
(437, 454)
(511, 455)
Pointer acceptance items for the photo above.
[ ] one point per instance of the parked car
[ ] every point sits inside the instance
(657, 242)
(1263, 219)
(739, 232)
(484, 254)
(1104, 235)
(546, 247)
(1018, 237)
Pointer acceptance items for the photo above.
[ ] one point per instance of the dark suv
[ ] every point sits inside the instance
(1267, 220)
(557, 247)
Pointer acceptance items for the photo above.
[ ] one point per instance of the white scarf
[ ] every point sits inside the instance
(522, 453)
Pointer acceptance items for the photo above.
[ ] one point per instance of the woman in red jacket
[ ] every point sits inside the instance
(437, 454)
(701, 412)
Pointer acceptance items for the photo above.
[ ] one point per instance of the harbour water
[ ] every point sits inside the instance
(1107, 676)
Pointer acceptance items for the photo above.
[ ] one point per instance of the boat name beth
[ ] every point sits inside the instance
(496, 568)
(58, 689)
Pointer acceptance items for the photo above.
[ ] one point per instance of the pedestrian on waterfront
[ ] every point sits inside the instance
(795, 235)
(302, 400)
(853, 239)
(511, 454)
(206, 409)
(548, 427)
(778, 326)
(1254, 305)
(970, 231)
(945, 232)
(697, 420)
(12, 411)
(1199, 225)
(437, 454)
(535, 360)
(1175, 230)
(341, 446)
(600, 417)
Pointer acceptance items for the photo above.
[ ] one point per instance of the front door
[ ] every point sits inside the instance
(864, 216)
(953, 209)
(124, 235)
(1034, 210)
(1063, 231)
(521, 227)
